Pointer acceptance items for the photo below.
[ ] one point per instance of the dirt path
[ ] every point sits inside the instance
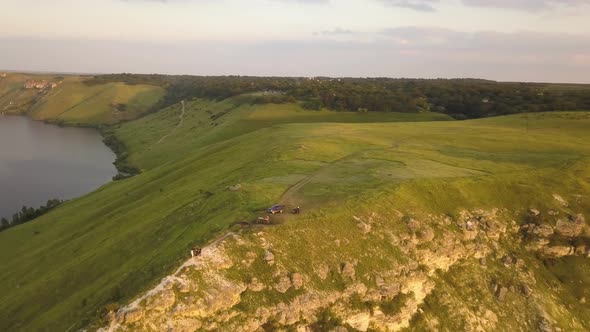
(288, 197)
(180, 122)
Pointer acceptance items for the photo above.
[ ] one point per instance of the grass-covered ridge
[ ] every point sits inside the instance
(73, 102)
(61, 269)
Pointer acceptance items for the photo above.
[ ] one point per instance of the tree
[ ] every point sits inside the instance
(27, 214)
(4, 224)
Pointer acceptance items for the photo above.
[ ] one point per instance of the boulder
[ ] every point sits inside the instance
(545, 325)
(133, 316)
(390, 290)
(184, 287)
(560, 200)
(581, 250)
(483, 261)
(490, 316)
(348, 270)
(364, 227)
(322, 271)
(288, 314)
(558, 251)
(283, 285)
(360, 321)
(269, 257)
(297, 280)
(235, 187)
(494, 229)
(526, 290)
(339, 329)
(543, 230)
(162, 301)
(426, 234)
(356, 288)
(224, 297)
(534, 212)
(379, 281)
(255, 285)
(501, 293)
(569, 228)
(413, 224)
(183, 325)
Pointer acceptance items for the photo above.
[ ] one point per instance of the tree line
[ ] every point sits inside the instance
(459, 98)
(27, 214)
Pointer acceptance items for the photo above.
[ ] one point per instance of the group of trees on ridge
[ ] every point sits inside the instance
(459, 98)
(27, 214)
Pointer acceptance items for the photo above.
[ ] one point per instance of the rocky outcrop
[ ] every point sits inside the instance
(558, 251)
(207, 293)
(568, 237)
(39, 85)
(572, 227)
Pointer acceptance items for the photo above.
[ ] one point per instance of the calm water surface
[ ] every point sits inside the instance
(40, 161)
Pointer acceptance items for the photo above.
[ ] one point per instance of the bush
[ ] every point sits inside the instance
(326, 321)
(357, 303)
(394, 306)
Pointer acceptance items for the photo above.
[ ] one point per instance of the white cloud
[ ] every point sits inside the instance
(528, 5)
(418, 5)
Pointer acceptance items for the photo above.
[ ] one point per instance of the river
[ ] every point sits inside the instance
(40, 161)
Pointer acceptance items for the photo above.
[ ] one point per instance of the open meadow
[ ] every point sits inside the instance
(102, 249)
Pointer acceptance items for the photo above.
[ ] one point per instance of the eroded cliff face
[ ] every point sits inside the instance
(477, 270)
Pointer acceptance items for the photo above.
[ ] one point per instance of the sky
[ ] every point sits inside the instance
(506, 40)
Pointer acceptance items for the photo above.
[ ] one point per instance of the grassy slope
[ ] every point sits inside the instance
(73, 102)
(108, 245)
(208, 122)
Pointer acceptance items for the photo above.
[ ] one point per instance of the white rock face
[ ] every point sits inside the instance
(203, 295)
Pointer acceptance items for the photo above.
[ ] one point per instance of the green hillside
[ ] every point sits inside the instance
(67, 268)
(73, 102)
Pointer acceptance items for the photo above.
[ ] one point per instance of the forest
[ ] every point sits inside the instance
(459, 98)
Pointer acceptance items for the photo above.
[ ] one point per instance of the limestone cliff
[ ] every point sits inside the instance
(434, 272)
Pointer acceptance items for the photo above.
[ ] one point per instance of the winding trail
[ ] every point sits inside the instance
(180, 122)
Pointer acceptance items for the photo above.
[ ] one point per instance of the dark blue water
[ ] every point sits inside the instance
(39, 161)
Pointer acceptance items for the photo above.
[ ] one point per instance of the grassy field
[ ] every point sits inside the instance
(109, 245)
(207, 122)
(75, 103)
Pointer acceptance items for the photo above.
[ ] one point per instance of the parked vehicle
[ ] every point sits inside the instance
(276, 209)
(263, 220)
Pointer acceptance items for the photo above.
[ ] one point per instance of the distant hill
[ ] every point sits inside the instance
(459, 98)
(67, 99)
